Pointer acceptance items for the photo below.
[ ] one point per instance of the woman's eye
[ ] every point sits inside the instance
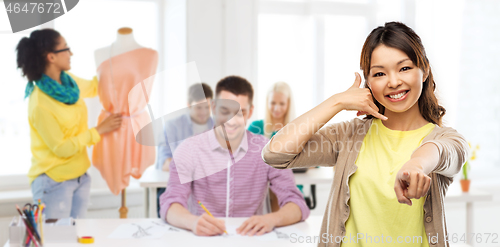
(405, 68)
(378, 74)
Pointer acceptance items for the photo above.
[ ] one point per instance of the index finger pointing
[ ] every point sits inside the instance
(398, 188)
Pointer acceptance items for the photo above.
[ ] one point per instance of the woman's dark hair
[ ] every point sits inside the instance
(399, 36)
(32, 52)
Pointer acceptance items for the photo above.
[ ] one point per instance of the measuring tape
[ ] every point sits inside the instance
(86, 240)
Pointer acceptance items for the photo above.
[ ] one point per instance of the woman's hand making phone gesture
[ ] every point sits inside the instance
(359, 99)
(303, 127)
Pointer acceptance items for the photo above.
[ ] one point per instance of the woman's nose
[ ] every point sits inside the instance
(394, 81)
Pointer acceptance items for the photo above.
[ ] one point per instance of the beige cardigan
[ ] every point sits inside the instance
(338, 145)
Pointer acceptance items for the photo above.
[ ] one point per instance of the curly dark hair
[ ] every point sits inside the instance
(32, 52)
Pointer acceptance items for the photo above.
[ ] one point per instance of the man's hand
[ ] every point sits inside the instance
(166, 165)
(207, 225)
(257, 225)
(411, 182)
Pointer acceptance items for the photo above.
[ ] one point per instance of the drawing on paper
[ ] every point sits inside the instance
(141, 232)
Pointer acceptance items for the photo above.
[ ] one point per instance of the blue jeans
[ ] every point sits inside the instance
(64, 199)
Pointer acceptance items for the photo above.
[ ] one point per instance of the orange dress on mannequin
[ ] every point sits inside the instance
(118, 155)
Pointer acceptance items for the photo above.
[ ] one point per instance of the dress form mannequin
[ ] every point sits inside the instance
(117, 83)
(124, 42)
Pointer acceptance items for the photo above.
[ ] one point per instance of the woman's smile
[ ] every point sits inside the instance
(398, 96)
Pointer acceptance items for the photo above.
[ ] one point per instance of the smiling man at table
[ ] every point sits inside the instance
(202, 170)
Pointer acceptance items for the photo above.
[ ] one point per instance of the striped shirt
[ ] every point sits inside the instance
(201, 168)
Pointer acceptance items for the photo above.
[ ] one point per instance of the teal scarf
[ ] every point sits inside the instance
(67, 93)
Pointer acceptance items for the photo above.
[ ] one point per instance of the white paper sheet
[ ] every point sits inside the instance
(148, 229)
(282, 233)
(155, 229)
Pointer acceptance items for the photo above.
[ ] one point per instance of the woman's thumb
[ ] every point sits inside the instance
(357, 81)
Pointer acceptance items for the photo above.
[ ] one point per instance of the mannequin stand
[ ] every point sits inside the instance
(123, 209)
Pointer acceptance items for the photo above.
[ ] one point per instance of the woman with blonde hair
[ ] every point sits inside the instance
(279, 111)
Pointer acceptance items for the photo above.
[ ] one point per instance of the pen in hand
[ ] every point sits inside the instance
(208, 212)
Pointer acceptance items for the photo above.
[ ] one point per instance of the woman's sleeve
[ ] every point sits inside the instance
(255, 128)
(48, 128)
(321, 150)
(453, 152)
(88, 88)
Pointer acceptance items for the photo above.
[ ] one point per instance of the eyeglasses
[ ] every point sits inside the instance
(65, 49)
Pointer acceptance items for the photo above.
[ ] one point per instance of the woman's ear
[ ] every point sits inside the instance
(50, 57)
(426, 75)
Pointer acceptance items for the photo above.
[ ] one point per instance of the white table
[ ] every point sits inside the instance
(455, 195)
(321, 175)
(152, 179)
(100, 229)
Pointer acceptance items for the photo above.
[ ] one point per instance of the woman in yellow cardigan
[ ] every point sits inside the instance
(57, 116)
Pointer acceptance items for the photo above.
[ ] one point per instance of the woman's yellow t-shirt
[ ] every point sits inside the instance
(376, 217)
(60, 134)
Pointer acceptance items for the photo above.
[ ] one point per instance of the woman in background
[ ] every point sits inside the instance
(279, 111)
(57, 116)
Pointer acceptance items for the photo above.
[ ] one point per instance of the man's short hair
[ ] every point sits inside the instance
(236, 85)
(199, 91)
